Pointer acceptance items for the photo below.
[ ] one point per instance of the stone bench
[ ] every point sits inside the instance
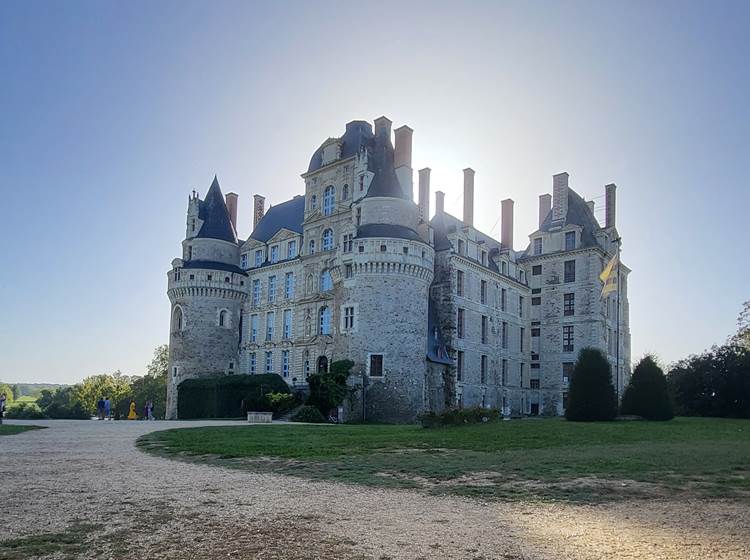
(260, 417)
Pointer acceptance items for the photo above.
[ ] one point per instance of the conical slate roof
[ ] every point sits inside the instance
(213, 211)
(385, 182)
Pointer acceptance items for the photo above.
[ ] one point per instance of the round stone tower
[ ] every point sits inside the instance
(206, 288)
(388, 292)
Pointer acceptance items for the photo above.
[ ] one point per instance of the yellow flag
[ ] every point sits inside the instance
(609, 277)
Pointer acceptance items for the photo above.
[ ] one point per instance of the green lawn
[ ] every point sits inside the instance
(8, 430)
(540, 459)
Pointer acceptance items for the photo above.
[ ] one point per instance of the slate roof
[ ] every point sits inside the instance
(443, 221)
(579, 214)
(213, 211)
(289, 215)
(380, 162)
(357, 134)
(213, 265)
(387, 230)
(436, 351)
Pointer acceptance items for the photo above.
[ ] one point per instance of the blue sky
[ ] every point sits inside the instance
(113, 112)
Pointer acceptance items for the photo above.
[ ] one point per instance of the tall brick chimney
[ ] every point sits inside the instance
(506, 223)
(610, 204)
(439, 202)
(259, 204)
(469, 196)
(402, 159)
(559, 196)
(424, 194)
(545, 205)
(383, 127)
(231, 199)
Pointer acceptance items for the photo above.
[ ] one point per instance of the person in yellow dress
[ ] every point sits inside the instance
(132, 415)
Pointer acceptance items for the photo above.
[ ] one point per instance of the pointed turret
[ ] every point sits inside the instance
(381, 163)
(216, 221)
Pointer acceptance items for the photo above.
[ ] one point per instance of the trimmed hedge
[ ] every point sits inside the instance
(459, 417)
(647, 394)
(229, 396)
(308, 414)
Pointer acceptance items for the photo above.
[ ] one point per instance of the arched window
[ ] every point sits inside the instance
(322, 364)
(177, 319)
(325, 320)
(311, 247)
(329, 197)
(223, 318)
(345, 193)
(326, 282)
(327, 242)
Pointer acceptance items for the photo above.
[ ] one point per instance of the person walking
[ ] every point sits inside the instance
(100, 408)
(107, 408)
(150, 409)
(3, 398)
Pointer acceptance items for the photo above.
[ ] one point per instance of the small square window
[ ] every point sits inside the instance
(536, 270)
(406, 250)
(361, 248)
(536, 301)
(383, 248)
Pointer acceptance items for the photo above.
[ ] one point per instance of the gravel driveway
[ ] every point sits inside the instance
(89, 474)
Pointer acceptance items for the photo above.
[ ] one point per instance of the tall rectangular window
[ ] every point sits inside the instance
(256, 292)
(459, 365)
(289, 285)
(252, 363)
(483, 259)
(569, 301)
(568, 338)
(484, 329)
(461, 246)
(253, 328)
(459, 282)
(275, 254)
(347, 245)
(291, 249)
(285, 363)
(243, 261)
(258, 257)
(523, 335)
(504, 371)
(570, 240)
(483, 291)
(460, 324)
(538, 246)
(483, 369)
(348, 318)
(505, 334)
(272, 289)
(376, 365)
(534, 384)
(348, 270)
(503, 298)
(567, 371)
(287, 323)
(570, 271)
(270, 318)
(520, 306)
(269, 362)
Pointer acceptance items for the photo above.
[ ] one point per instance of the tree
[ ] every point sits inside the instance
(116, 386)
(591, 395)
(8, 391)
(329, 389)
(62, 403)
(742, 338)
(647, 393)
(160, 363)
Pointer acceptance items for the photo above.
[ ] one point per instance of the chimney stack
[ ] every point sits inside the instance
(592, 205)
(231, 199)
(424, 194)
(506, 225)
(559, 196)
(610, 202)
(402, 159)
(439, 202)
(469, 196)
(545, 205)
(383, 127)
(259, 203)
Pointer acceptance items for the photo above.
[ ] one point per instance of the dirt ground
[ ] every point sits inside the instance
(80, 489)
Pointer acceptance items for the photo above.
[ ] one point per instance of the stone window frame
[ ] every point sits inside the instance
(274, 254)
(258, 257)
(370, 355)
(536, 270)
(223, 318)
(569, 304)
(252, 362)
(286, 334)
(179, 319)
(568, 335)
(268, 366)
(567, 238)
(329, 200)
(538, 248)
(326, 280)
(460, 362)
(326, 240)
(353, 317)
(291, 249)
(323, 322)
(285, 363)
(244, 260)
(569, 275)
(254, 322)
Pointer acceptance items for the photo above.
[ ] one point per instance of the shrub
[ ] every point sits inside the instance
(647, 394)
(24, 411)
(459, 417)
(591, 395)
(62, 403)
(281, 403)
(229, 396)
(309, 414)
(328, 390)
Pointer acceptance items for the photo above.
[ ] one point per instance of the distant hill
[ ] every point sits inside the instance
(33, 389)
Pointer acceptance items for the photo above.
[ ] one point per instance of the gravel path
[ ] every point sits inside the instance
(90, 472)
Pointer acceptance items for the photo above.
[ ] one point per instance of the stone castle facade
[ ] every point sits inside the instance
(432, 312)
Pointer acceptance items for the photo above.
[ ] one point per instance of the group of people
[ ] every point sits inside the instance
(104, 410)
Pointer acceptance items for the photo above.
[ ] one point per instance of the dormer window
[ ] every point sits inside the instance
(570, 240)
(258, 257)
(192, 224)
(461, 246)
(275, 253)
(243, 261)
(538, 246)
